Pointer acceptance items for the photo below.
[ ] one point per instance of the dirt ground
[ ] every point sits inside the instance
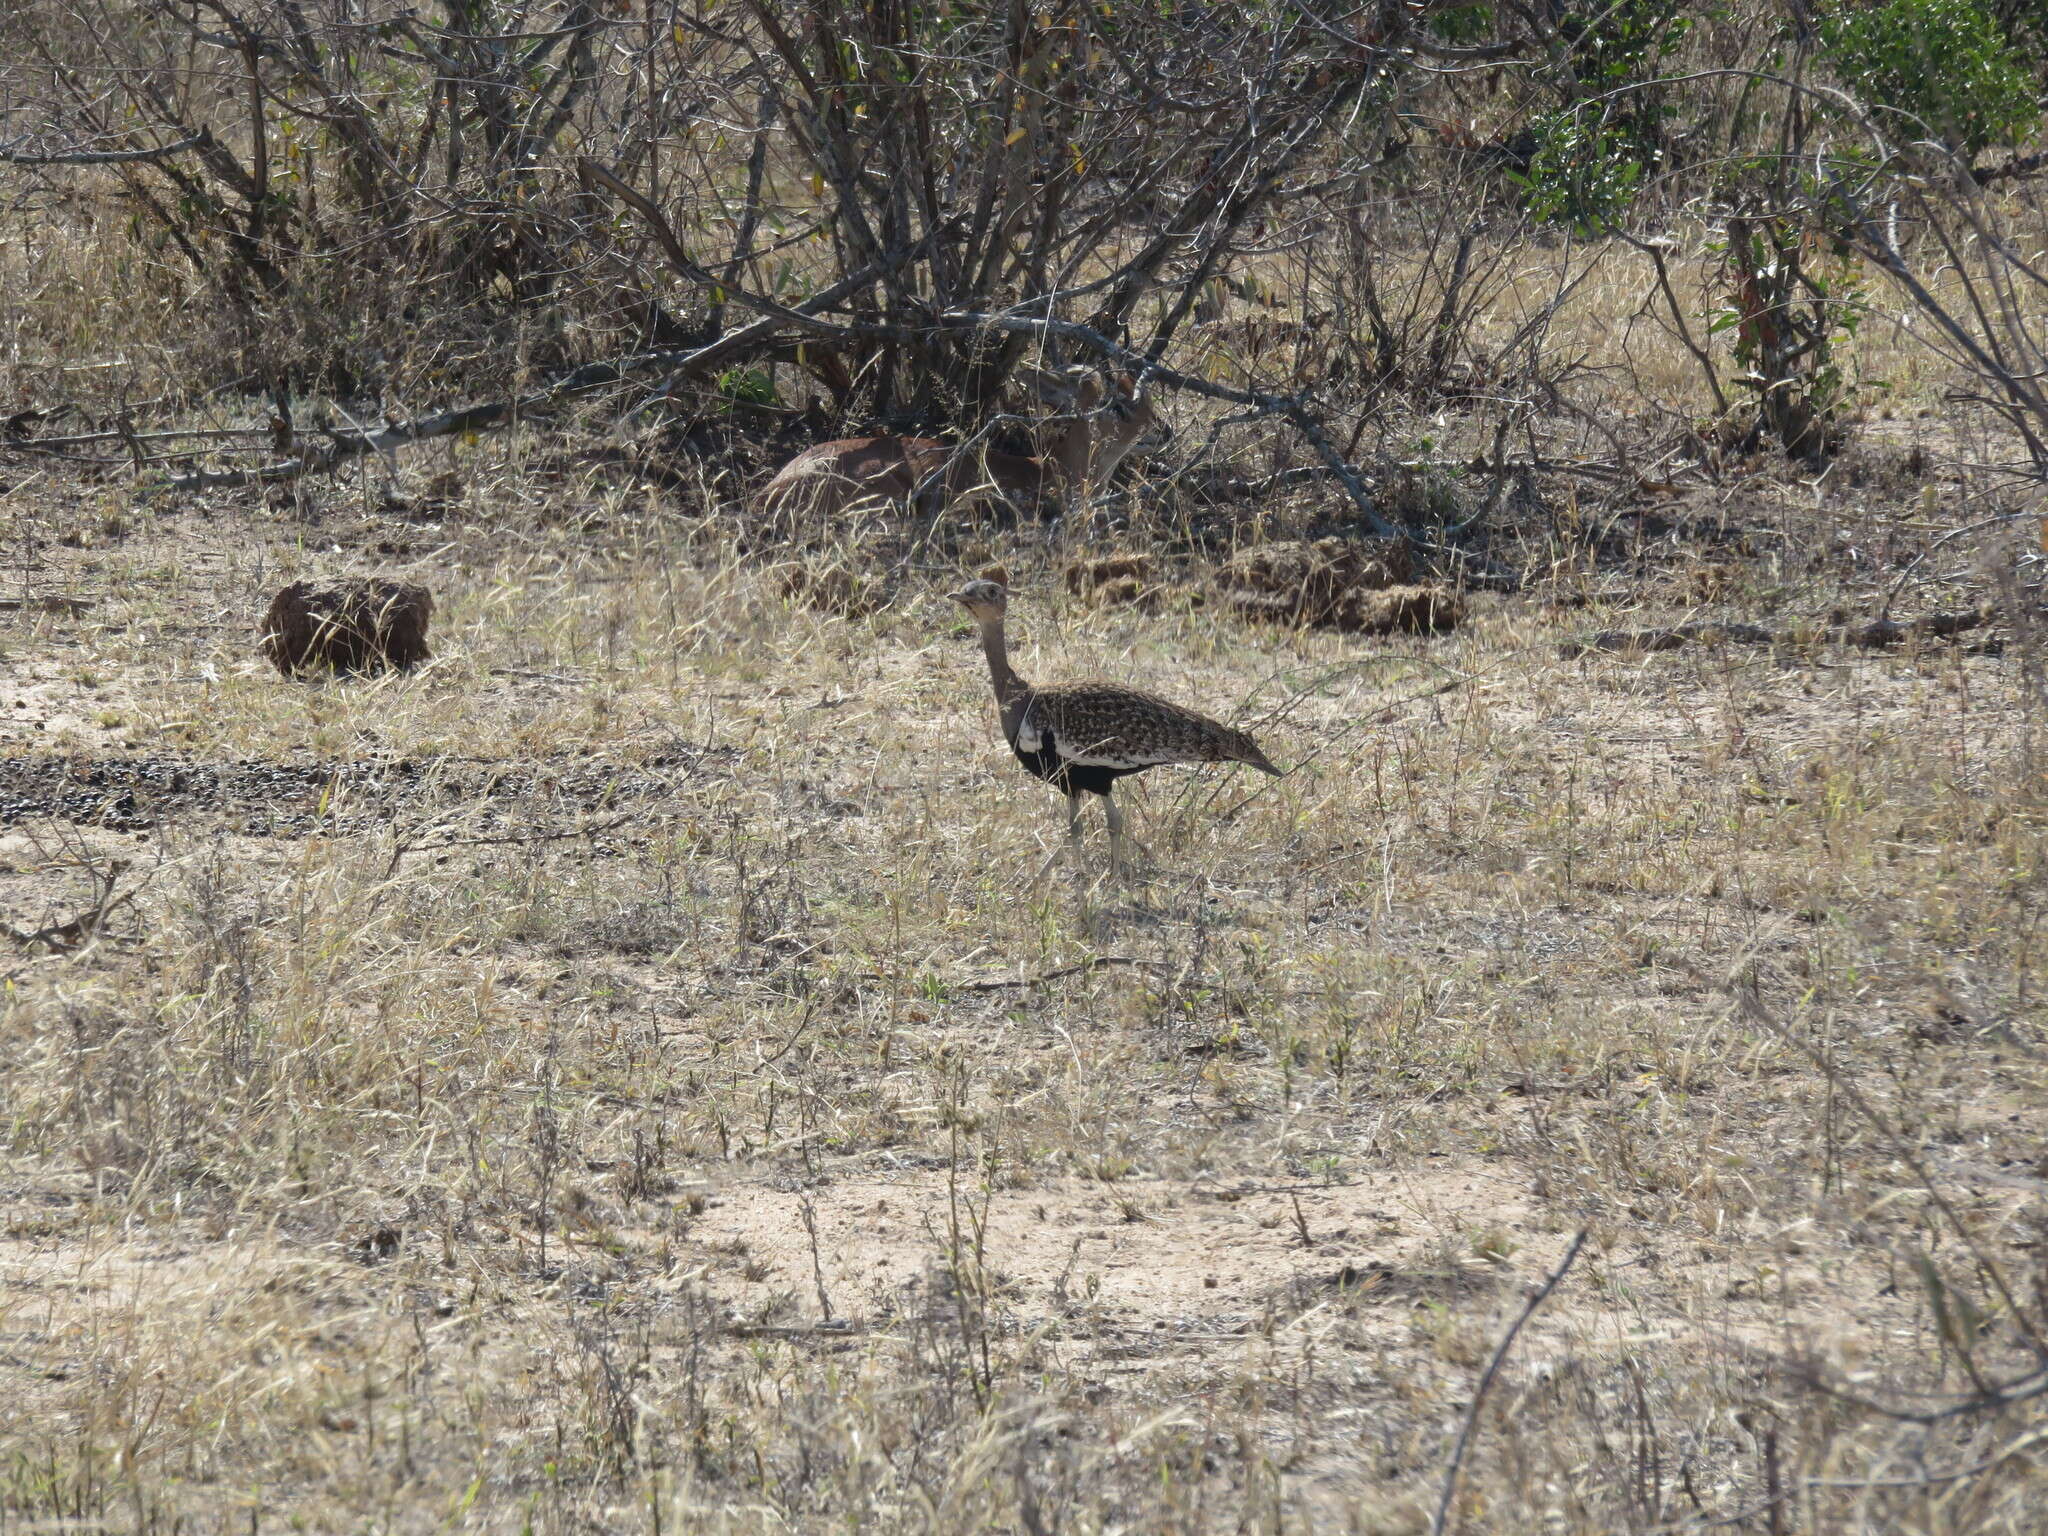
(618, 1076)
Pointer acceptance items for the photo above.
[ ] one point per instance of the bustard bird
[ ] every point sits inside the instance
(1082, 737)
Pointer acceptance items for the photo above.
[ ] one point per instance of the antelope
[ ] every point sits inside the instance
(827, 479)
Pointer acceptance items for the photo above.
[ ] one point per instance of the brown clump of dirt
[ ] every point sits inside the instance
(362, 625)
(1124, 580)
(1317, 572)
(1415, 610)
(831, 587)
(1088, 576)
(1362, 586)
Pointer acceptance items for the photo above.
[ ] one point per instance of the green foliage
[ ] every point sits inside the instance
(1794, 307)
(1587, 165)
(1463, 24)
(1616, 44)
(746, 386)
(1584, 171)
(1943, 62)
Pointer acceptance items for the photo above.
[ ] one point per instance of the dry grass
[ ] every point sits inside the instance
(612, 1078)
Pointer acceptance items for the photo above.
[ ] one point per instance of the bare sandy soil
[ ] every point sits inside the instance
(617, 1077)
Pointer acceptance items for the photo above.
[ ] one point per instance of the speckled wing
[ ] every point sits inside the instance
(1103, 725)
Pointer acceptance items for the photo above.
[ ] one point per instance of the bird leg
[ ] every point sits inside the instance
(1073, 836)
(1117, 840)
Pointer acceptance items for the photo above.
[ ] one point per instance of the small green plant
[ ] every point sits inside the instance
(1588, 162)
(1943, 64)
(1793, 309)
(746, 386)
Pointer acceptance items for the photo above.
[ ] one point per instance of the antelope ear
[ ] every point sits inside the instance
(1088, 394)
(1052, 388)
(1126, 383)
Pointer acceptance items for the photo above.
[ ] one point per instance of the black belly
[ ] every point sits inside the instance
(1069, 778)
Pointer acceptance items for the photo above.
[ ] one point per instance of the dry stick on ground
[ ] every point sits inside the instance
(1048, 977)
(555, 835)
(1878, 632)
(74, 931)
(79, 440)
(1537, 1297)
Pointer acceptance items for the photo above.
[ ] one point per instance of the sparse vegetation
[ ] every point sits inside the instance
(610, 1076)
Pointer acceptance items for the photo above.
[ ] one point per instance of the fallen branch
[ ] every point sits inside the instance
(506, 840)
(74, 931)
(1064, 971)
(74, 606)
(1871, 636)
(1537, 1297)
(15, 156)
(79, 440)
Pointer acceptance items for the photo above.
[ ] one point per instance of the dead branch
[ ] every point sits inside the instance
(1064, 971)
(14, 156)
(74, 931)
(1871, 636)
(506, 840)
(25, 444)
(73, 607)
(1537, 1297)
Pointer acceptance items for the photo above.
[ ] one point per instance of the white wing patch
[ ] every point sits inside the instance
(1028, 737)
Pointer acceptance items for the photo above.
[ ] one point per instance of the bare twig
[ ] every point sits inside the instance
(74, 931)
(1537, 1297)
(553, 835)
(343, 446)
(1096, 964)
(14, 156)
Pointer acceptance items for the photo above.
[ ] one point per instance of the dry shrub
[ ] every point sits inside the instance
(1357, 585)
(362, 625)
(830, 587)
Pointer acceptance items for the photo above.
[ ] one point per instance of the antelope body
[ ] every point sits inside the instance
(825, 480)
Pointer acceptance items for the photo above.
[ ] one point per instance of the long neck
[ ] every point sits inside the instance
(1010, 688)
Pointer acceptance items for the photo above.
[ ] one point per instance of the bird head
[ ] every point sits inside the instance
(984, 599)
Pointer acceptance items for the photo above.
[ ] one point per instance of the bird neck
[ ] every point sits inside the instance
(1008, 685)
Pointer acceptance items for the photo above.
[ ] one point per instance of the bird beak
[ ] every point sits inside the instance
(959, 597)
